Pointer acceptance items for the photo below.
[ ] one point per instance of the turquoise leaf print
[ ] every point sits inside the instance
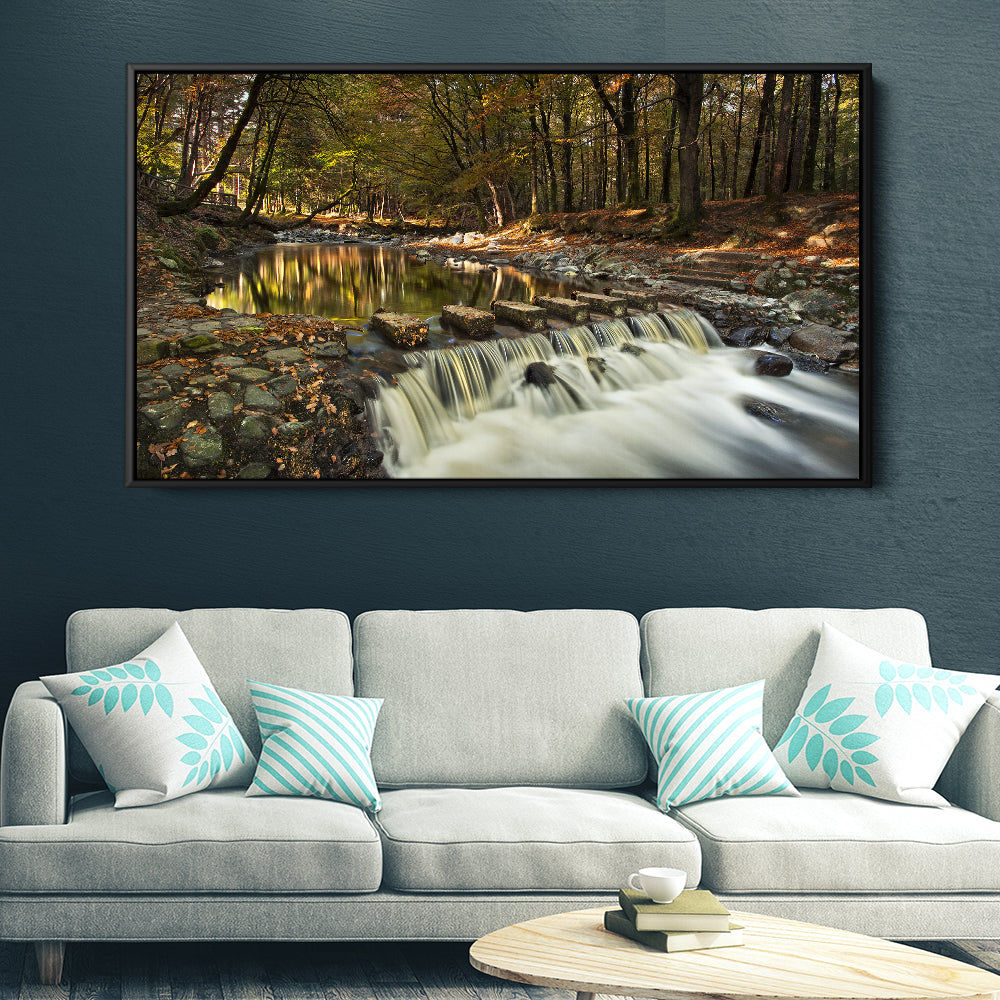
(142, 683)
(213, 741)
(831, 737)
(904, 685)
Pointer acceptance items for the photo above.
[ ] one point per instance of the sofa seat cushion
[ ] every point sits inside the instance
(835, 842)
(526, 838)
(214, 841)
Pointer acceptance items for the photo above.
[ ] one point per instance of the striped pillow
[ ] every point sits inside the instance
(315, 744)
(709, 744)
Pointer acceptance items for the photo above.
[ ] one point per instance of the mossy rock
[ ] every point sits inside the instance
(197, 340)
(207, 238)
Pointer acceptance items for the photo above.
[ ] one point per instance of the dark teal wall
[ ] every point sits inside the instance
(925, 536)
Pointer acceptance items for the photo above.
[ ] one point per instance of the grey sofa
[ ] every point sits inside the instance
(514, 784)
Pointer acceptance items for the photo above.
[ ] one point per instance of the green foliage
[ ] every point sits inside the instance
(473, 146)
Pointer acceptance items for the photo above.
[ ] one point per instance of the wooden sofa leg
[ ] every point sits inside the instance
(49, 955)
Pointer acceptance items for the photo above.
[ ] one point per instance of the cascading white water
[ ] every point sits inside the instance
(650, 397)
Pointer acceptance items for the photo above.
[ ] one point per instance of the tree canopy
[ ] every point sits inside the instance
(486, 148)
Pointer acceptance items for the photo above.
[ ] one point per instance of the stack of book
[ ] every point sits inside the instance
(695, 919)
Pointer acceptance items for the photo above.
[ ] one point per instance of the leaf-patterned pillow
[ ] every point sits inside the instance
(871, 724)
(154, 725)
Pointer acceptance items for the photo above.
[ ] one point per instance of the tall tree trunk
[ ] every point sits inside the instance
(567, 150)
(801, 119)
(602, 201)
(808, 182)
(689, 95)
(829, 178)
(532, 82)
(225, 155)
(645, 133)
(256, 199)
(553, 199)
(734, 190)
(766, 100)
(668, 153)
(711, 163)
(625, 121)
(779, 166)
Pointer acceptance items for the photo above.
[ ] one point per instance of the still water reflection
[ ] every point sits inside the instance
(350, 281)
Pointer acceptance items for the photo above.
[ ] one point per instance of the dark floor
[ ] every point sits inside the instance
(281, 971)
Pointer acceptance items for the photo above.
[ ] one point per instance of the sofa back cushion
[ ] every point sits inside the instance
(310, 649)
(498, 698)
(686, 650)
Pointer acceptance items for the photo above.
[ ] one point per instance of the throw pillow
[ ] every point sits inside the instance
(871, 724)
(315, 744)
(709, 744)
(154, 725)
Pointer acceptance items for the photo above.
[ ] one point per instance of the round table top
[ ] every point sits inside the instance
(778, 959)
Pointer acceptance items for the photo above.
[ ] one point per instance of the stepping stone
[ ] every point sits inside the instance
(575, 312)
(251, 374)
(607, 305)
(285, 356)
(635, 300)
(472, 322)
(151, 349)
(401, 329)
(522, 314)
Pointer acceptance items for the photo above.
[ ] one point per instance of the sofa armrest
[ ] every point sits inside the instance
(34, 777)
(971, 779)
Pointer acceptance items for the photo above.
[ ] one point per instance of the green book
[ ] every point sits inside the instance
(617, 922)
(692, 910)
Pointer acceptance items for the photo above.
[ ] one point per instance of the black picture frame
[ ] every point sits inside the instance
(862, 479)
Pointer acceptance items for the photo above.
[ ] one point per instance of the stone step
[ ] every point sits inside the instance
(473, 323)
(689, 278)
(401, 329)
(635, 299)
(522, 314)
(575, 312)
(607, 305)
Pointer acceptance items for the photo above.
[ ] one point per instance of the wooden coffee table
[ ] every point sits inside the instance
(779, 959)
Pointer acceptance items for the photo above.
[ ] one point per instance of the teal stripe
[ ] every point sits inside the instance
(361, 784)
(358, 716)
(320, 742)
(341, 712)
(359, 760)
(727, 782)
(680, 711)
(713, 714)
(734, 727)
(709, 744)
(270, 770)
(322, 781)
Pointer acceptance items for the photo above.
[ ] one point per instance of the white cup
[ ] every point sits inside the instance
(661, 885)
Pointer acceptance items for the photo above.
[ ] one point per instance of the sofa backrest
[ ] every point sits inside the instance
(308, 649)
(493, 698)
(686, 650)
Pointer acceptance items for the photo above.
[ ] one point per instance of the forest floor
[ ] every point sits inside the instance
(793, 229)
(797, 227)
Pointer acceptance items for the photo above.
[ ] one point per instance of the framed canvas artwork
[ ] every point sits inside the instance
(518, 275)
